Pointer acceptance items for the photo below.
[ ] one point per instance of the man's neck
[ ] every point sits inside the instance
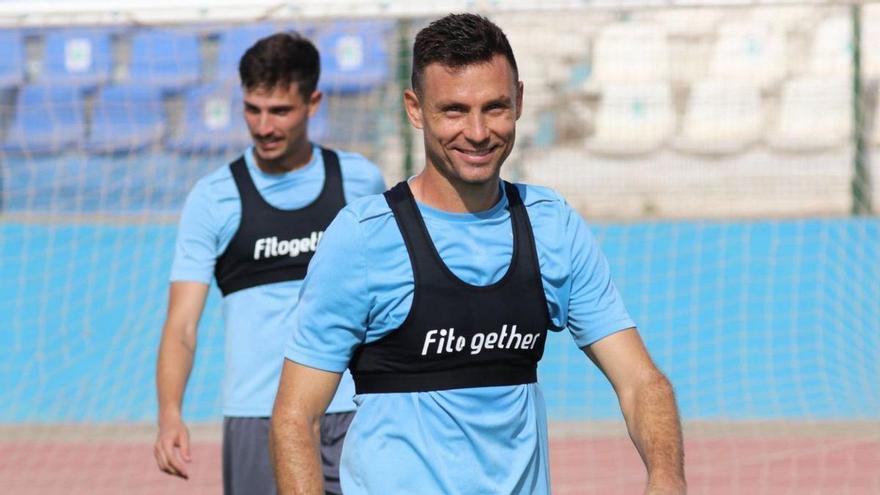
(298, 159)
(433, 189)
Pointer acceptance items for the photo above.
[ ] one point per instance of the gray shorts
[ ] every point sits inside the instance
(247, 467)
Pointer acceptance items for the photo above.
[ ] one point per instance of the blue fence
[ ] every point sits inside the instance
(750, 320)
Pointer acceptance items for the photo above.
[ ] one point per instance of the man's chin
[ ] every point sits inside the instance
(481, 179)
(267, 156)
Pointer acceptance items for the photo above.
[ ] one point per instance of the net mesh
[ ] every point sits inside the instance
(717, 151)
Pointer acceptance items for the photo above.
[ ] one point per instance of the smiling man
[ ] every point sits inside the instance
(253, 226)
(439, 295)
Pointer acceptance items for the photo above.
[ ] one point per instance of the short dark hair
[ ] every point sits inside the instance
(280, 60)
(459, 40)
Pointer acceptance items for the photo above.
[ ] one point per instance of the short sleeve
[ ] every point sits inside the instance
(195, 252)
(331, 318)
(596, 309)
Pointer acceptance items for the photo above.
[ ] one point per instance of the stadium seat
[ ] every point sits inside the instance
(126, 118)
(232, 44)
(633, 119)
(168, 59)
(353, 56)
(79, 57)
(629, 52)
(750, 52)
(212, 120)
(832, 49)
(870, 41)
(234, 41)
(814, 113)
(12, 61)
(721, 117)
(47, 119)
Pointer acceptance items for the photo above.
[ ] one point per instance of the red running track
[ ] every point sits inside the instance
(720, 466)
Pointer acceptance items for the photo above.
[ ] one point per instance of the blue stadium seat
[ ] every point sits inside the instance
(126, 117)
(12, 61)
(169, 59)
(47, 119)
(213, 120)
(77, 57)
(233, 42)
(354, 56)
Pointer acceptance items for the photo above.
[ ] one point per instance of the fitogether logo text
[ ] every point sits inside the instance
(270, 247)
(442, 341)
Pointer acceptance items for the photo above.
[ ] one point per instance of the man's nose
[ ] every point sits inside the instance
(476, 130)
(264, 125)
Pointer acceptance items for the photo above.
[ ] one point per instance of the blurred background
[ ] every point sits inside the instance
(725, 154)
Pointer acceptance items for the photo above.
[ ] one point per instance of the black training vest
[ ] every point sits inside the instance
(273, 245)
(459, 335)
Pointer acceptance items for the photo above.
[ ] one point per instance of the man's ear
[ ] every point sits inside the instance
(315, 102)
(413, 108)
(519, 98)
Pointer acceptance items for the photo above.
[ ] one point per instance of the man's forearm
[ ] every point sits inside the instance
(294, 442)
(172, 372)
(655, 428)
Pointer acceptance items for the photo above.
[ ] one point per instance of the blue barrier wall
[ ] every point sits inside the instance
(750, 320)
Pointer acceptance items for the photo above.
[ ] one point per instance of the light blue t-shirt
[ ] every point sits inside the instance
(463, 441)
(255, 336)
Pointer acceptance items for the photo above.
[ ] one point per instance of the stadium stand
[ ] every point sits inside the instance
(168, 59)
(633, 119)
(46, 119)
(126, 118)
(804, 98)
(12, 61)
(77, 57)
(721, 117)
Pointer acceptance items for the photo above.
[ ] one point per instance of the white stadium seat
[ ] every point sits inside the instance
(633, 119)
(871, 41)
(749, 51)
(814, 113)
(832, 49)
(629, 52)
(721, 117)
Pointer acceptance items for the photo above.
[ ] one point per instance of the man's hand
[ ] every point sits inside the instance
(172, 447)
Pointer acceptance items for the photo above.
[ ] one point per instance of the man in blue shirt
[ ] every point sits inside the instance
(253, 226)
(443, 292)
